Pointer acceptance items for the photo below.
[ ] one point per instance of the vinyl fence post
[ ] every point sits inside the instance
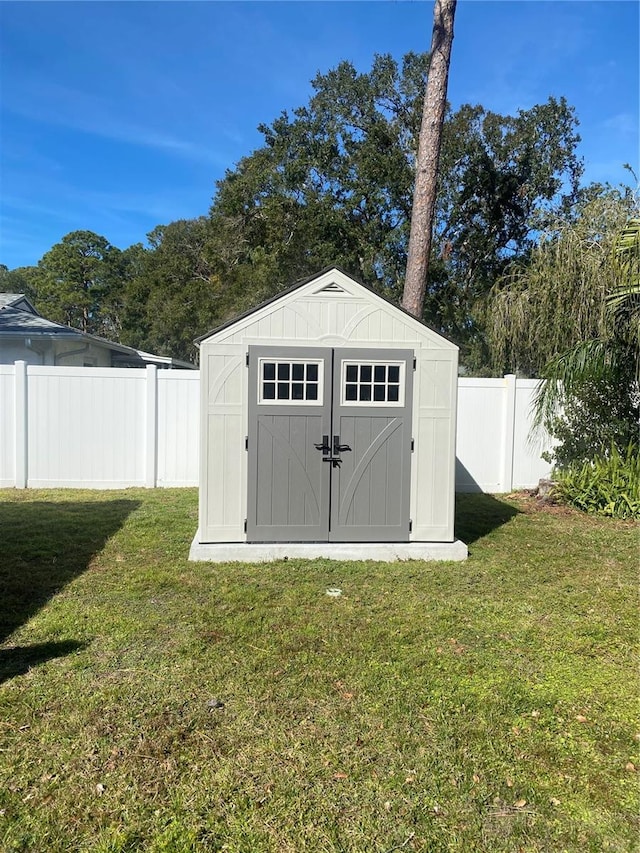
(151, 459)
(508, 432)
(21, 424)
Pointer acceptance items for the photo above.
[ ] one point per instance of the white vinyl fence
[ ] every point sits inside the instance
(109, 428)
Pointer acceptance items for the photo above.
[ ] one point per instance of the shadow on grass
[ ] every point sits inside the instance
(20, 659)
(479, 514)
(44, 546)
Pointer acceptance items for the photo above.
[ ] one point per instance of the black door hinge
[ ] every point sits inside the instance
(410, 525)
(246, 359)
(245, 525)
(414, 363)
(413, 444)
(246, 442)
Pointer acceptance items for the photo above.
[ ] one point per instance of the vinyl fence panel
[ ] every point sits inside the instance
(7, 426)
(528, 465)
(178, 427)
(86, 427)
(108, 428)
(480, 435)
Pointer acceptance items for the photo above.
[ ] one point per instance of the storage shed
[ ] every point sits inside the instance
(328, 423)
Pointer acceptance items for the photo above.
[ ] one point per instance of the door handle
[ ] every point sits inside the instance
(325, 447)
(337, 447)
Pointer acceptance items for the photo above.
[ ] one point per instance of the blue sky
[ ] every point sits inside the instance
(119, 116)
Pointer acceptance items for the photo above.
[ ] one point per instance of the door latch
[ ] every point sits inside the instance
(337, 447)
(336, 462)
(325, 447)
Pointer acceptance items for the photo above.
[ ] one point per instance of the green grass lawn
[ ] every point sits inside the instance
(148, 703)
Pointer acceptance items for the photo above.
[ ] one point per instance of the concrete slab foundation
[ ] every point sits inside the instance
(388, 552)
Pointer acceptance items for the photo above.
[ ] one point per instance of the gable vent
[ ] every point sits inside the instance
(331, 288)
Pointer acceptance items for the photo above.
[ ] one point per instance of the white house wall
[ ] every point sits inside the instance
(81, 355)
(351, 318)
(51, 352)
(15, 350)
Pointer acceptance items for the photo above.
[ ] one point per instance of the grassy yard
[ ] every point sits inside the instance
(151, 704)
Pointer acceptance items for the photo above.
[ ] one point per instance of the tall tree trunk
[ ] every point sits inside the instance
(424, 194)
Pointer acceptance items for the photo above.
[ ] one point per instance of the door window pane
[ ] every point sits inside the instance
(372, 382)
(290, 382)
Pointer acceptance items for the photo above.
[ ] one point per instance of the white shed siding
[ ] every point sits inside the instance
(311, 315)
(223, 464)
(435, 437)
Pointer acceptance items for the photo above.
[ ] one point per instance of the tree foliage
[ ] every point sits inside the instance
(559, 316)
(77, 283)
(172, 293)
(19, 280)
(334, 184)
(554, 299)
(623, 300)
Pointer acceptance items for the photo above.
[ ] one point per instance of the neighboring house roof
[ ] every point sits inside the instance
(16, 300)
(165, 360)
(15, 322)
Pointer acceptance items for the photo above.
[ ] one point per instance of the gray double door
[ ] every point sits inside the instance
(329, 444)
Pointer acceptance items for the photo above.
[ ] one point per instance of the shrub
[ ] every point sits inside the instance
(599, 415)
(607, 485)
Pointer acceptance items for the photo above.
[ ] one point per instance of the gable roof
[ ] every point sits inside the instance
(305, 281)
(16, 300)
(15, 321)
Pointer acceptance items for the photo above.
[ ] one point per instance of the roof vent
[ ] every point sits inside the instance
(332, 287)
